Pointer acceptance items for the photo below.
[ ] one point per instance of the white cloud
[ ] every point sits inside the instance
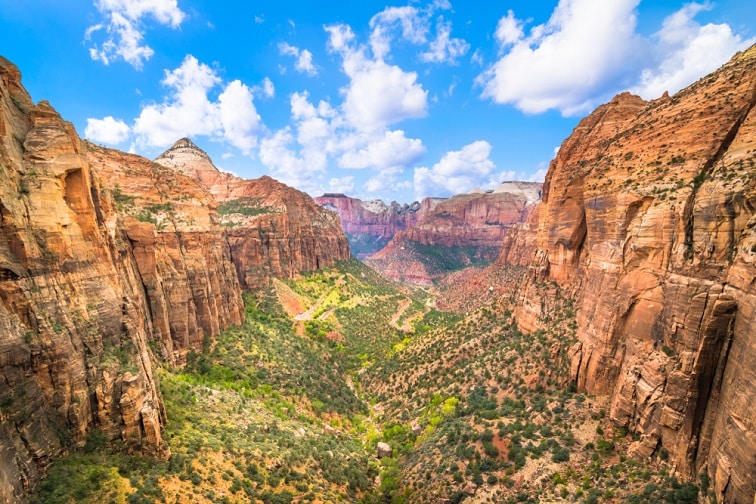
(445, 49)
(589, 50)
(277, 154)
(477, 57)
(304, 62)
(124, 28)
(458, 172)
(686, 51)
(164, 11)
(387, 180)
(266, 89)
(584, 47)
(343, 185)
(380, 94)
(414, 28)
(239, 119)
(189, 110)
(340, 37)
(391, 150)
(509, 29)
(108, 130)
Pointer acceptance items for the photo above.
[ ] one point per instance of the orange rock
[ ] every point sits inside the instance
(648, 221)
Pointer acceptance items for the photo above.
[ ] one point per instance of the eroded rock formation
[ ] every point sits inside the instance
(649, 221)
(370, 225)
(452, 233)
(273, 229)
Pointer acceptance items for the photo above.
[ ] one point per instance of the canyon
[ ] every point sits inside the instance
(113, 266)
(452, 233)
(110, 263)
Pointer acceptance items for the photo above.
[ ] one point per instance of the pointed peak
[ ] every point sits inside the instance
(185, 146)
(185, 156)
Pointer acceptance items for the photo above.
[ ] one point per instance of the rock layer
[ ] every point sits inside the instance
(649, 220)
(105, 260)
(453, 233)
(370, 225)
(273, 229)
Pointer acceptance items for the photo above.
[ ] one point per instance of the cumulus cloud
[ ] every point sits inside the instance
(445, 49)
(414, 28)
(341, 185)
(411, 24)
(380, 94)
(589, 50)
(459, 171)
(190, 110)
(565, 63)
(124, 28)
(685, 51)
(107, 130)
(393, 149)
(303, 57)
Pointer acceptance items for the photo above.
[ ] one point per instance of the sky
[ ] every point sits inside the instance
(374, 99)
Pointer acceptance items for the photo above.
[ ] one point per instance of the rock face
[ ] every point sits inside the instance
(453, 233)
(273, 230)
(648, 220)
(106, 260)
(370, 225)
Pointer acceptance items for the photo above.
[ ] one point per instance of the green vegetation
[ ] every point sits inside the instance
(292, 405)
(243, 206)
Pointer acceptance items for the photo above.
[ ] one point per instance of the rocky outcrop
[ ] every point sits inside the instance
(649, 221)
(180, 249)
(370, 225)
(272, 229)
(97, 271)
(464, 230)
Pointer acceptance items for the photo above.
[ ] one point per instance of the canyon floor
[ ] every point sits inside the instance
(341, 386)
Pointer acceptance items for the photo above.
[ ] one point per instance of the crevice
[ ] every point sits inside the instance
(706, 170)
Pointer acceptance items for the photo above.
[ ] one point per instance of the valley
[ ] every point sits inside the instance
(173, 333)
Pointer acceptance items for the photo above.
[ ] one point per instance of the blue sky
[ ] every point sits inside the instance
(378, 100)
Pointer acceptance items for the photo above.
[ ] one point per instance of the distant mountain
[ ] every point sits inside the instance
(370, 225)
(465, 230)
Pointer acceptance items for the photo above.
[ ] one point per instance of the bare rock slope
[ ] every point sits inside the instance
(273, 229)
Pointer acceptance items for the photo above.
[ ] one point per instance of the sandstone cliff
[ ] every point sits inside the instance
(370, 225)
(87, 291)
(648, 220)
(273, 230)
(460, 231)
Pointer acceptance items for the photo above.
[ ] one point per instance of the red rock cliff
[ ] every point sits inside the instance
(456, 232)
(85, 287)
(370, 225)
(649, 220)
(273, 229)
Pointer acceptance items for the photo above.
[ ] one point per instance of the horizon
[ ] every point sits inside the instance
(389, 101)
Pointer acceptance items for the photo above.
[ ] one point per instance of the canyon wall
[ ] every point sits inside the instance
(110, 263)
(272, 229)
(370, 225)
(456, 232)
(648, 220)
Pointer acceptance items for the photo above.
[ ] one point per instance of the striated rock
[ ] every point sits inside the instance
(272, 229)
(180, 249)
(370, 225)
(464, 230)
(90, 275)
(647, 220)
